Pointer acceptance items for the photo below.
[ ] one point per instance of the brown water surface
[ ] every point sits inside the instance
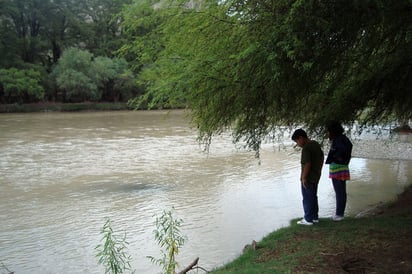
(62, 174)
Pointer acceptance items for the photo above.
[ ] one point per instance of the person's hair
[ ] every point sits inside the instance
(299, 133)
(335, 128)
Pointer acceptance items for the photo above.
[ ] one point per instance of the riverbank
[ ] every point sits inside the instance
(399, 147)
(60, 107)
(377, 243)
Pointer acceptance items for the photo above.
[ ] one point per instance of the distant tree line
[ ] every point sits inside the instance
(63, 50)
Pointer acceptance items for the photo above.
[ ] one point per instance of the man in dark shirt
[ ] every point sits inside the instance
(312, 161)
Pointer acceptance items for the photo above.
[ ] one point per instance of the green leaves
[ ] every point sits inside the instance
(19, 84)
(170, 239)
(112, 253)
(253, 67)
(85, 77)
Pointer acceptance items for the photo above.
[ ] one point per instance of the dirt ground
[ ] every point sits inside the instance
(386, 253)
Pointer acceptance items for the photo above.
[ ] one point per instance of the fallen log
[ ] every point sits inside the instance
(189, 267)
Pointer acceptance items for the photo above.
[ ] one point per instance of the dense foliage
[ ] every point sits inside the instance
(20, 84)
(34, 34)
(82, 77)
(254, 66)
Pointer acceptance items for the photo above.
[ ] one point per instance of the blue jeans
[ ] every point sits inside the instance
(310, 202)
(340, 190)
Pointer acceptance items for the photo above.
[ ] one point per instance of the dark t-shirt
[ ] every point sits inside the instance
(312, 153)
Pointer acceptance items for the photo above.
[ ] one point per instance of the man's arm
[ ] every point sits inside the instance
(305, 172)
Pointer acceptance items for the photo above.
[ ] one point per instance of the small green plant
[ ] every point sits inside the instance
(112, 253)
(170, 239)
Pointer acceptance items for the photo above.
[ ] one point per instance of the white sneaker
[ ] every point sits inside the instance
(337, 218)
(315, 221)
(304, 222)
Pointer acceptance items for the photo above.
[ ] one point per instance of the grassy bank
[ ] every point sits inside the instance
(60, 107)
(379, 243)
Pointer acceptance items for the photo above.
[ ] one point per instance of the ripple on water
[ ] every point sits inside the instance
(62, 175)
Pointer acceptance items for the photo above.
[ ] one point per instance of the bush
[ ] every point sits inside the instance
(20, 85)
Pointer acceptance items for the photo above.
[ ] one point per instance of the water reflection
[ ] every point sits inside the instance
(62, 174)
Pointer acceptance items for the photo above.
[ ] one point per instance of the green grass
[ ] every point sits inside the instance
(370, 244)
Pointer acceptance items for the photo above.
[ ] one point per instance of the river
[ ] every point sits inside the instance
(63, 174)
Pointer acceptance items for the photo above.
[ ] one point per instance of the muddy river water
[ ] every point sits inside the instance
(63, 174)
